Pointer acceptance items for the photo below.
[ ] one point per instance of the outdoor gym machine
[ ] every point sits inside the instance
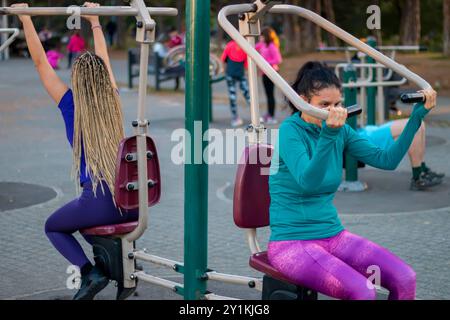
(249, 176)
(14, 33)
(350, 83)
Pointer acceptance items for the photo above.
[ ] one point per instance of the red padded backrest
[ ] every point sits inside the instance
(128, 172)
(251, 189)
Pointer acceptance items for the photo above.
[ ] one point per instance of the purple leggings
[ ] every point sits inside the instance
(84, 212)
(338, 267)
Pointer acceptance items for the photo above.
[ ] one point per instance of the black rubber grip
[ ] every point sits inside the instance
(353, 110)
(412, 97)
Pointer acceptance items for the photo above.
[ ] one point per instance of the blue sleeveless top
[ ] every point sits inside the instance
(66, 105)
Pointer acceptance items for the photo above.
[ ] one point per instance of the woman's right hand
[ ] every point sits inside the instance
(21, 5)
(336, 117)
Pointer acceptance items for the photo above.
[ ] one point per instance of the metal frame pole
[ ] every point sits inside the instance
(8, 40)
(351, 183)
(145, 34)
(100, 11)
(5, 54)
(250, 29)
(196, 174)
(371, 91)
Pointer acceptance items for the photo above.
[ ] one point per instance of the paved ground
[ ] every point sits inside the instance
(33, 149)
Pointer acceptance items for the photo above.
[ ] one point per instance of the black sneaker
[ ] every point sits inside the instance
(424, 182)
(435, 175)
(91, 284)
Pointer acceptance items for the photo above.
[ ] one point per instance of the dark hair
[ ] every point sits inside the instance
(266, 33)
(313, 77)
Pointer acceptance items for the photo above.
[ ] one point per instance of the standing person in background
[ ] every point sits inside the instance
(268, 49)
(274, 37)
(111, 28)
(54, 55)
(45, 35)
(75, 47)
(236, 61)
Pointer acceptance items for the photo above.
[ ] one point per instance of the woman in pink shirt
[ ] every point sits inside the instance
(75, 47)
(267, 48)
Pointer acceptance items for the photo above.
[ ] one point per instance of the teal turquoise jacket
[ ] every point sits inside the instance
(306, 171)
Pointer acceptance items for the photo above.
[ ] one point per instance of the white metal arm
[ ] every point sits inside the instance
(325, 24)
(100, 11)
(15, 33)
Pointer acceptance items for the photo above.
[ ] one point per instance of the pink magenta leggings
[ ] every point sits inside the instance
(339, 267)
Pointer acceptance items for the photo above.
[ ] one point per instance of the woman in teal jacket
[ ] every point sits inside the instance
(308, 243)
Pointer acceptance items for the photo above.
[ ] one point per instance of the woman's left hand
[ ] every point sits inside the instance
(430, 96)
(92, 19)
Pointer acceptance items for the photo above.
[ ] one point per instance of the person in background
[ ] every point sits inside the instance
(45, 35)
(54, 55)
(384, 136)
(111, 29)
(175, 38)
(271, 53)
(161, 51)
(161, 45)
(236, 61)
(274, 37)
(75, 47)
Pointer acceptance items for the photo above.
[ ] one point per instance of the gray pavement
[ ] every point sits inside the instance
(33, 149)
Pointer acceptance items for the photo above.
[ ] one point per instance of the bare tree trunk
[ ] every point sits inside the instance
(121, 32)
(217, 5)
(446, 35)
(291, 31)
(410, 22)
(310, 32)
(181, 8)
(328, 10)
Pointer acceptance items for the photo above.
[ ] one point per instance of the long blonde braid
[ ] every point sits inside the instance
(98, 122)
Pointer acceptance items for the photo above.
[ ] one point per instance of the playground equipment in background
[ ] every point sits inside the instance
(368, 91)
(14, 33)
(354, 93)
(168, 68)
(156, 68)
(138, 181)
(372, 98)
(177, 55)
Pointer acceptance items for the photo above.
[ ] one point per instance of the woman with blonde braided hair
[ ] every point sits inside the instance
(93, 119)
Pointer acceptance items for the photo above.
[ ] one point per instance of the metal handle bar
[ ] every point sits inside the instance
(381, 48)
(412, 97)
(100, 11)
(368, 82)
(15, 33)
(357, 65)
(325, 24)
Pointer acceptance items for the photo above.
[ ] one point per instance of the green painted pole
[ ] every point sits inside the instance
(350, 98)
(372, 91)
(196, 169)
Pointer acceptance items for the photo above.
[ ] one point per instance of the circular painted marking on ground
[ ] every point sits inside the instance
(16, 195)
